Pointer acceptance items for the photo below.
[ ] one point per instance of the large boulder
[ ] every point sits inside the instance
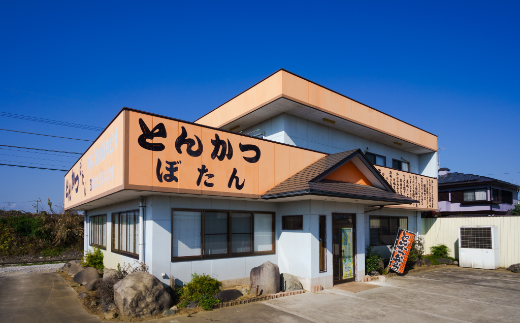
(93, 285)
(228, 295)
(110, 273)
(426, 262)
(87, 275)
(141, 294)
(514, 268)
(445, 261)
(266, 277)
(290, 283)
(74, 268)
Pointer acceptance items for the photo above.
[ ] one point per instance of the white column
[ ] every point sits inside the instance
(86, 222)
(142, 210)
(360, 246)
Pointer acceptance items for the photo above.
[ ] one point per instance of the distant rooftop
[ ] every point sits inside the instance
(455, 177)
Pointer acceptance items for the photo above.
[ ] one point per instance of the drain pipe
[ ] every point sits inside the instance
(142, 219)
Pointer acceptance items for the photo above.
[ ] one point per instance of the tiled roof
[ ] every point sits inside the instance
(309, 182)
(455, 178)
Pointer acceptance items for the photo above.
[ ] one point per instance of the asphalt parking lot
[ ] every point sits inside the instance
(449, 294)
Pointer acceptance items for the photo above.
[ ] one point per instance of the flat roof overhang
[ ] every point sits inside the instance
(285, 92)
(132, 195)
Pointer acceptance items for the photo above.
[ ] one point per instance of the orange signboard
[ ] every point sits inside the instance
(168, 155)
(402, 247)
(99, 171)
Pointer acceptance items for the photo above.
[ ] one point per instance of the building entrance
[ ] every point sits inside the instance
(343, 247)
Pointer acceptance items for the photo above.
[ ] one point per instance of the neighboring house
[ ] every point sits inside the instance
(469, 195)
(288, 171)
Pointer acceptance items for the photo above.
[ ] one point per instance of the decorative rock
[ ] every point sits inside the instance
(374, 273)
(141, 294)
(169, 312)
(87, 275)
(110, 311)
(445, 261)
(110, 273)
(82, 295)
(93, 303)
(228, 295)
(456, 263)
(74, 268)
(193, 304)
(514, 268)
(267, 277)
(290, 283)
(244, 291)
(426, 262)
(93, 285)
(174, 308)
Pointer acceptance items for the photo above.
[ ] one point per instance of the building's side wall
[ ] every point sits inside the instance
(448, 206)
(110, 259)
(446, 231)
(292, 130)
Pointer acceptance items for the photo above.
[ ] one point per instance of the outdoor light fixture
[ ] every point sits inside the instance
(329, 121)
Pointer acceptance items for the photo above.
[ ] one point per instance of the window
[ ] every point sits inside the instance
(401, 165)
(383, 229)
(125, 233)
(98, 231)
(475, 195)
(292, 222)
(507, 197)
(323, 243)
(206, 234)
(376, 159)
(444, 196)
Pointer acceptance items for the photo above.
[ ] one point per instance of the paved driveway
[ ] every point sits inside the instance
(448, 294)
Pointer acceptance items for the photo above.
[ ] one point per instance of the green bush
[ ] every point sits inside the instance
(516, 210)
(201, 288)
(416, 254)
(440, 250)
(93, 259)
(372, 260)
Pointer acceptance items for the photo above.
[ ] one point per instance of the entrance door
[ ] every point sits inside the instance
(343, 242)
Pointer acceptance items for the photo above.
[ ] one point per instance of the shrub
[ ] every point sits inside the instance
(416, 253)
(372, 260)
(440, 250)
(93, 259)
(515, 210)
(201, 288)
(105, 289)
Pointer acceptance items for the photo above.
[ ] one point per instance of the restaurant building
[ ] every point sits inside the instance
(287, 171)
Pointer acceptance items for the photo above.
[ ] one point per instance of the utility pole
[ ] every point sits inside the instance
(37, 206)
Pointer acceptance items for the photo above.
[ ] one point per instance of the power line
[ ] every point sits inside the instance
(55, 97)
(56, 151)
(37, 152)
(61, 170)
(49, 121)
(15, 161)
(36, 158)
(39, 134)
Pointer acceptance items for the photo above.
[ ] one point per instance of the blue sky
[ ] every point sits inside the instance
(449, 68)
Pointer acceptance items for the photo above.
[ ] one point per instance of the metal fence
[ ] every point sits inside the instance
(446, 231)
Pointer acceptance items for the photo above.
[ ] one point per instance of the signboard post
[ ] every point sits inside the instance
(402, 246)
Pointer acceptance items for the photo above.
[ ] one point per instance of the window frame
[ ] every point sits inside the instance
(322, 243)
(284, 228)
(375, 158)
(91, 231)
(120, 225)
(381, 228)
(229, 253)
(474, 196)
(402, 162)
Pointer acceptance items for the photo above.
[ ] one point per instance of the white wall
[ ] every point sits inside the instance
(304, 133)
(446, 231)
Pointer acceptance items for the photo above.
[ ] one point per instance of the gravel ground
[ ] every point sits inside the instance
(29, 270)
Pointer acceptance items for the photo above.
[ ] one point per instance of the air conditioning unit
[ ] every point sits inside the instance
(478, 246)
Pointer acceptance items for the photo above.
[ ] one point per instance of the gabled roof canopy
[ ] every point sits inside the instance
(314, 180)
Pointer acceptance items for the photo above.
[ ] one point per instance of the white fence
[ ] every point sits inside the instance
(446, 231)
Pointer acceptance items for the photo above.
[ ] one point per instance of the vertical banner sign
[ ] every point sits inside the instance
(402, 247)
(348, 254)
